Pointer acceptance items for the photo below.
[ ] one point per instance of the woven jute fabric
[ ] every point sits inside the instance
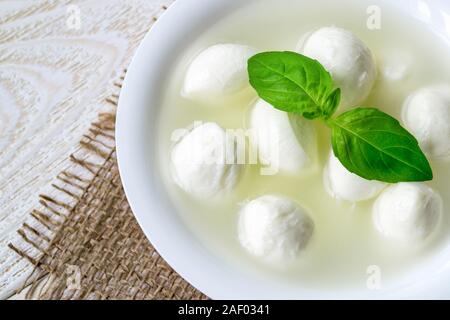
(92, 247)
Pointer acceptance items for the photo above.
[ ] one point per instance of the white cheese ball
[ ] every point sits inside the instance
(286, 144)
(218, 70)
(347, 58)
(274, 228)
(407, 211)
(426, 114)
(345, 185)
(204, 161)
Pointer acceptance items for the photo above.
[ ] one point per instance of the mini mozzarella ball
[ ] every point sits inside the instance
(274, 228)
(345, 185)
(218, 70)
(407, 211)
(347, 58)
(204, 161)
(283, 142)
(426, 114)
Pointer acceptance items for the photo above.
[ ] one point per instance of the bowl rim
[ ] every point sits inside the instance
(153, 211)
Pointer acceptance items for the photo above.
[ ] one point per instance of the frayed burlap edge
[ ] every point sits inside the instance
(85, 242)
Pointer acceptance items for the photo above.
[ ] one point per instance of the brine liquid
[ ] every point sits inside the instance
(345, 243)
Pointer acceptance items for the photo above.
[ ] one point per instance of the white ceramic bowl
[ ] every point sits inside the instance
(151, 205)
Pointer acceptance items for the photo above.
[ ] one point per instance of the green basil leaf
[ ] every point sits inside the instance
(332, 103)
(373, 145)
(293, 83)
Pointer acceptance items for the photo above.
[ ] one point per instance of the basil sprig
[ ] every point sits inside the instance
(293, 83)
(367, 141)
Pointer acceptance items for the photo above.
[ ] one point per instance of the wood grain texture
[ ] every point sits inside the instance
(58, 62)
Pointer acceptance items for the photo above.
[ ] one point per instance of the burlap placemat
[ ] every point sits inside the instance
(92, 247)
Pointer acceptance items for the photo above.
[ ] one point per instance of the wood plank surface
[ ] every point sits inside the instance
(58, 60)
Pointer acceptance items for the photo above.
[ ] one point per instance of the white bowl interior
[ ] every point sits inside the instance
(136, 123)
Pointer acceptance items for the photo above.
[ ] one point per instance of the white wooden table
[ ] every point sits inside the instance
(58, 60)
